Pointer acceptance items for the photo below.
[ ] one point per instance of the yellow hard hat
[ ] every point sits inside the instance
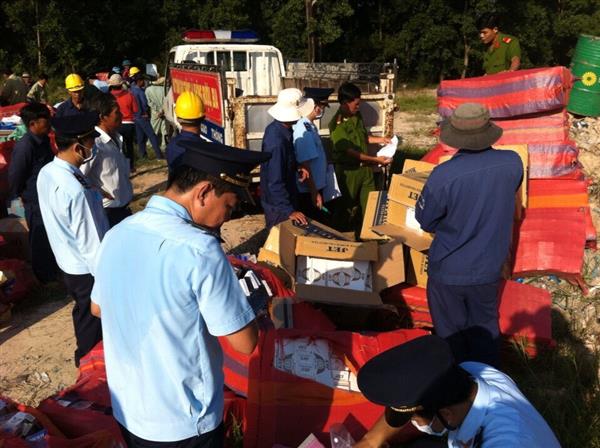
(73, 82)
(133, 71)
(189, 106)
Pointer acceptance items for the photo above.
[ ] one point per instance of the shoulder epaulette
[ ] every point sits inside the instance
(307, 126)
(507, 40)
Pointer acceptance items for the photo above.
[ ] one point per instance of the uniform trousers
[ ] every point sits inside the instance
(467, 317)
(88, 330)
(127, 130)
(116, 214)
(144, 132)
(212, 439)
(43, 262)
(355, 186)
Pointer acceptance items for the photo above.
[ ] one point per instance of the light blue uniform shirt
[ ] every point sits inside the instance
(166, 290)
(309, 148)
(500, 416)
(73, 216)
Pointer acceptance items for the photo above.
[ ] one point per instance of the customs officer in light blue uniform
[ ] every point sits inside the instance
(74, 219)
(165, 291)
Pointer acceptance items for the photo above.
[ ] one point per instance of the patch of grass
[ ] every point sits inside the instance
(562, 383)
(417, 103)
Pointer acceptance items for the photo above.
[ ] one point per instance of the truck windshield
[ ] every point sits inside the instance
(224, 60)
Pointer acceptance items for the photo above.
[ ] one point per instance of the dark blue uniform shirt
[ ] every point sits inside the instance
(175, 151)
(67, 108)
(278, 190)
(142, 101)
(29, 155)
(468, 202)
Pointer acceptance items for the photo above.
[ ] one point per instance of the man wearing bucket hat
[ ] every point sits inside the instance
(74, 104)
(468, 202)
(278, 176)
(420, 384)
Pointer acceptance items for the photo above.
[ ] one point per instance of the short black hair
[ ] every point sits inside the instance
(459, 385)
(33, 111)
(7, 71)
(43, 76)
(183, 178)
(63, 143)
(348, 92)
(103, 103)
(489, 20)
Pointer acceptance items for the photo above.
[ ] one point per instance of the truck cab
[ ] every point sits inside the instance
(256, 69)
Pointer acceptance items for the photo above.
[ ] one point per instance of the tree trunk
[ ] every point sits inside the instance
(465, 58)
(38, 37)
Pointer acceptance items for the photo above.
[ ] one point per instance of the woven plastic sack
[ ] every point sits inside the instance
(509, 94)
(283, 408)
(537, 128)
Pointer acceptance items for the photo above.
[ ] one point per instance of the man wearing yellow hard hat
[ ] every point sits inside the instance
(190, 113)
(74, 104)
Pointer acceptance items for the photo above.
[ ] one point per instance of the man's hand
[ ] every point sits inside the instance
(298, 217)
(383, 161)
(317, 200)
(303, 174)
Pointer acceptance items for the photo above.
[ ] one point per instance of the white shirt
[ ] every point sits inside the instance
(500, 416)
(73, 216)
(110, 170)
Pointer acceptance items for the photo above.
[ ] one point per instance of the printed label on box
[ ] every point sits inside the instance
(411, 222)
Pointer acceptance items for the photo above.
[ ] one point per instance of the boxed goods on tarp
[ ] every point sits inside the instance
(293, 394)
(326, 266)
(509, 94)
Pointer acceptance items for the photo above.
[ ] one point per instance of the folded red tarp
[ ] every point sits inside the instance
(550, 240)
(283, 408)
(524, 312)
(509, 94)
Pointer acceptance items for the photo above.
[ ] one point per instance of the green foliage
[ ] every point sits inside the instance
(419, 103)
(430, 40)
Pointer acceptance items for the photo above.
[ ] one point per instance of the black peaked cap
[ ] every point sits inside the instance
(407, 377)
(76, 126)
(230, 164)
(318, 94)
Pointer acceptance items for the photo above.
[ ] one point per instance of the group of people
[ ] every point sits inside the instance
(20, 89)
(157, 288)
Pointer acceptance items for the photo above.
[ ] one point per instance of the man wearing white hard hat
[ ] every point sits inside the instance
(278, 176)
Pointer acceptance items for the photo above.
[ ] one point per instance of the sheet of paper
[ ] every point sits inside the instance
(390, 149)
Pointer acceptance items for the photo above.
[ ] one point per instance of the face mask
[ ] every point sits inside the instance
(320, 114)
(427, 429)
(92, 151)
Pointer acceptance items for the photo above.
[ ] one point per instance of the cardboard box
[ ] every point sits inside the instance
(416, 267)
(417, 166)
(292, 247)
(15, 233)
(401, 224)
(375, 214)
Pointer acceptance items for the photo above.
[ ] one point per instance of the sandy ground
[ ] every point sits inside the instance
(37, 343)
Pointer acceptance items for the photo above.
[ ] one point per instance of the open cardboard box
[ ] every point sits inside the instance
(287, 241)
(401, 223)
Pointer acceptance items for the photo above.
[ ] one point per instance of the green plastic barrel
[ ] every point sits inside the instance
(585, 95)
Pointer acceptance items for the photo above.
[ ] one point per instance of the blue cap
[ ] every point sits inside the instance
(116, 70)
(77, 126)
(126, 62)
(231, 165)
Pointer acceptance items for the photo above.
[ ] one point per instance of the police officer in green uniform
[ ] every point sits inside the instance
(353, 165)
(503, 52)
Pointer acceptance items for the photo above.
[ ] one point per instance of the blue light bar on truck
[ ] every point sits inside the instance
(218, 36)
